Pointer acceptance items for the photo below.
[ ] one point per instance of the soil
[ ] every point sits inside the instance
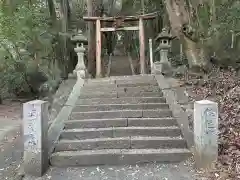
(11, 147)
(10, 112)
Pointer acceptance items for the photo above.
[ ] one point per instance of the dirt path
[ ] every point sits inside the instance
(10, 113)
(11, 142)
(181, 171)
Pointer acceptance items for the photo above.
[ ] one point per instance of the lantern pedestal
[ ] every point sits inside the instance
(163, 66)
(80, 69)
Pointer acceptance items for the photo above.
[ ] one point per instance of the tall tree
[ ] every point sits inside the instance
(179, 18)
(91, 39)
(52, 11)
(65, 18)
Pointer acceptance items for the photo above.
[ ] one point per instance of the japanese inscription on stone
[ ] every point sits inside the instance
(210, 118)
(31, 127)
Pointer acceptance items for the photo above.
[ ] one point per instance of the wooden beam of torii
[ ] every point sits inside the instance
(126, 18)
(139, 28)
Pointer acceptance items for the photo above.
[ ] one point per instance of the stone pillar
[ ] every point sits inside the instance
(35, 127)
(80, 69)
(205, 133)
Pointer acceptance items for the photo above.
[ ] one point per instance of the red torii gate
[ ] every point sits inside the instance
(118, 21)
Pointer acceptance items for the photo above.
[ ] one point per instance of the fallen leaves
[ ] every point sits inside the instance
(224, 88)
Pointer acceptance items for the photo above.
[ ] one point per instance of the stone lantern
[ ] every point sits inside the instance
(164, 40)
(80, 40)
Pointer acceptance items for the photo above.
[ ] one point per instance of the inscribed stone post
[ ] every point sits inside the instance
(35, 124)
(205, 133)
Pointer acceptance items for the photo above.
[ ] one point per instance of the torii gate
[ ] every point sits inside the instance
(118, 22)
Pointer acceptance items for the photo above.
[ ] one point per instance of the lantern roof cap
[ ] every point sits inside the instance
(164, 35)
(79, 37)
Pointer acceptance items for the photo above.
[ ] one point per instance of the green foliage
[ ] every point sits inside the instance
(217, 23)
(25, 45)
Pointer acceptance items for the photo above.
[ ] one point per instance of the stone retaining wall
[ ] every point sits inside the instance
(179, 104)
(61, 96)
(63, 106)
(183, 98)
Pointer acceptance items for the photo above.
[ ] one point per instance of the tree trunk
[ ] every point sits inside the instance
(52, 12)
(91, 41)
(64, 38)
(179, 20)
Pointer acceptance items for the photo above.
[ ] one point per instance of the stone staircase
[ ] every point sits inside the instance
(120, 120)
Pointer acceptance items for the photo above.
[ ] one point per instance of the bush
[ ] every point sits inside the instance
(26, 49)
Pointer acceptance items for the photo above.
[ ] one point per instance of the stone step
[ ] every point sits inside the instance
(152, 122)
(110, 132)
(115, 89)
(110, 107)
(157, 142)
(123, 100)
(118, 157)
(133, 77)
(99, 86)
(122, 80)
(135, 83)
(135, 142)
(120, 114)
(122, 83)
(96, 123)
(120, 122)
(102, 94)
(146, 77)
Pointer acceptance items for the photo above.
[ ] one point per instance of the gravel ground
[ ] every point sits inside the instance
(182, 171)
(11, 144)
(11, 157)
